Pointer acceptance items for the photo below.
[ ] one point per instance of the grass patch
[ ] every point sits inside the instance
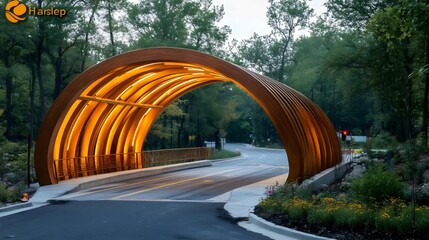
(274, 146)
(219, 154)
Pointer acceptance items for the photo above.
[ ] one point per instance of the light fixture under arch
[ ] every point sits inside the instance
(109, 108)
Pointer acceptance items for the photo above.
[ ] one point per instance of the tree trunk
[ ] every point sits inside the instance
(9, 104)
(182, 123)
(38, 60)
(426, 96)
(58, 73)
(164, 128)
(408, 121)
(283, 63)
(86, 45)
(112, 41)
(32, 107)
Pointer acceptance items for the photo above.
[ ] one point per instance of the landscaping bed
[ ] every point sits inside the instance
(375, 199)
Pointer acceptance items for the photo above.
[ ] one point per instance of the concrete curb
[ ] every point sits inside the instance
(15, 207)
(327, 177)
(227, 159)
(292, 233)
(317, 182)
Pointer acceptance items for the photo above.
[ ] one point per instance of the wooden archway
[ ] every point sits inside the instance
(109, 109)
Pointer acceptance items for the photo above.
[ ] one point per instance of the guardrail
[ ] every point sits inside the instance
(92, 165)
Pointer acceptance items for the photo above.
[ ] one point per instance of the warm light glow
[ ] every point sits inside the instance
(144, 78)
(156, 90)
(74, 126)
(126, 89)
(195, 69)
(138, 127)
(109, 109)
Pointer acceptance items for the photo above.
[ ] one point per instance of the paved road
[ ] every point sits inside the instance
(195, 184)
(178, 205)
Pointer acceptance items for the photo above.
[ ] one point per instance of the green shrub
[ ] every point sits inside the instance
(6, 195)
(386, 213)
(410, 169)
(377, 154)
(377, 185)
(384, 141)
(318, 215)
(422, 219)
(395, 216)
(288, 191)
(352, 215)
(297, 208)
(270, 206)
(356, 132)
(323, 212)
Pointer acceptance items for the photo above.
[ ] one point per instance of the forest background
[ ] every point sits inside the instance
(364, 62)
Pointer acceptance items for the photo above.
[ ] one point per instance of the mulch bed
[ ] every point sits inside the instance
(335, 232)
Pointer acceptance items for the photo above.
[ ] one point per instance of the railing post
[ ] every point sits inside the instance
(56, 171)
(101, 163)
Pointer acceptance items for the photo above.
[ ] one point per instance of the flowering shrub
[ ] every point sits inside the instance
(391, 215)
(296, 208)
(270, 206)
(354, 215)
(422, 218)
(377, 185)
(395, 215)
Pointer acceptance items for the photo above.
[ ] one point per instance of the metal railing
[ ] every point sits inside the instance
(92, 165)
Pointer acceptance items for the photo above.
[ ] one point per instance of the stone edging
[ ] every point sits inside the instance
(318, 181)
(292, 233)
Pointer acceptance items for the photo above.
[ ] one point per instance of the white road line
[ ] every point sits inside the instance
(170, 184)
(171, 200)
(73, 195)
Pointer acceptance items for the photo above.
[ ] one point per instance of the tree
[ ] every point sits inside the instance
(390, 64)
(14, 46)
(111, 9)
(271, 54)
(188, 24)
(330, 68)
(405, 24)
(64, 35)
(355, 14)
(285, 17)
(178, 23)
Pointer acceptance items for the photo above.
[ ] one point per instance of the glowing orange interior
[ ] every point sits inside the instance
(110, 108)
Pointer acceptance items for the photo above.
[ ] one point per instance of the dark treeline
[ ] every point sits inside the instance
(364, 62)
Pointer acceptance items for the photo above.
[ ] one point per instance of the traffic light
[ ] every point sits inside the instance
(344, 134)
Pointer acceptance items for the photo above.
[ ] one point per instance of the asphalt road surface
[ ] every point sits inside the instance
(177, 205)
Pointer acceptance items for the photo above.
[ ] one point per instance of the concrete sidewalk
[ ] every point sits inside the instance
(240, 203)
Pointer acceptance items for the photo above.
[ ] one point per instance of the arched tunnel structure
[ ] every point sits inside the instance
(109, 109)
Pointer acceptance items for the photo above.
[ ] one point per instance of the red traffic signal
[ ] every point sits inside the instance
(344, 134)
